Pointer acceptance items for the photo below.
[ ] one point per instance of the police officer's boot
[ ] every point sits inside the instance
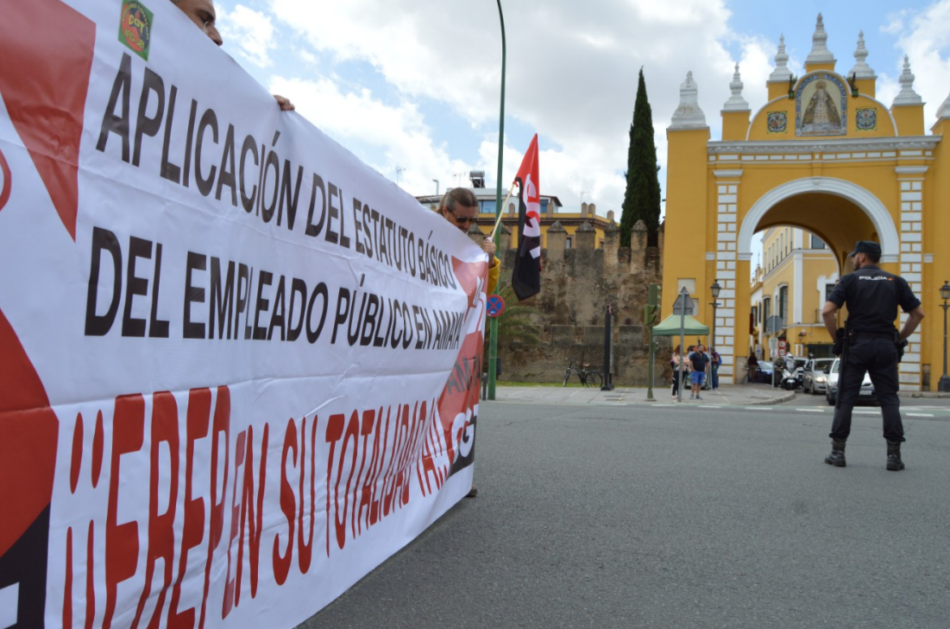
(836, 457)
(894, 463)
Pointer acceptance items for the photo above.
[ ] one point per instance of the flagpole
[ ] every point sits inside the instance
(500, 215)
(493, 326)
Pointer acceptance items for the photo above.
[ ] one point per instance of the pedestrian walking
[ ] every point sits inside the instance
(678, 374)
(869, 343)
(715, 362)
(698, 361)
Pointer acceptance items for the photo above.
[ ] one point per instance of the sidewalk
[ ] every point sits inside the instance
(733, 395)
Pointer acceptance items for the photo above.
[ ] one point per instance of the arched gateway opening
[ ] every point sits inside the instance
(799, 235)
(839, 212)
(804, 230)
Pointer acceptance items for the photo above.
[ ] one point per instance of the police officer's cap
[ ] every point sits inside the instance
(866, 246)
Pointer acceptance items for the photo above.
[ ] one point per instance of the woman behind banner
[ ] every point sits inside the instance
(459, 206)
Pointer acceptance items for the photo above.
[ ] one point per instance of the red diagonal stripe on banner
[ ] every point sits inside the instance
(28, 429)
(47, 50)
(454, 400)
(467, 274)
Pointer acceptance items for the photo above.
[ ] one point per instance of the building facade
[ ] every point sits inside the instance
(551, 213)
(825, 156)
(797, 273)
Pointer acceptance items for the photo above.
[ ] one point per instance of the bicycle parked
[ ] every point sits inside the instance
(588, 377)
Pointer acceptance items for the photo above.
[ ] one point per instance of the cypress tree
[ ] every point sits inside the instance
(641, 200)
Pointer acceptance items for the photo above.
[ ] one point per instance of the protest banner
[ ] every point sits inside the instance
(239, 367)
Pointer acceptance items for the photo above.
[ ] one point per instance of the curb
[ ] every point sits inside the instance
(923, 394)
(769, 401)
(779, 400)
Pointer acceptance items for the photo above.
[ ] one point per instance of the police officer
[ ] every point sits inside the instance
(870, 344)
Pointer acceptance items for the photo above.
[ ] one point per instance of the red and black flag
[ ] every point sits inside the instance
(526, 275)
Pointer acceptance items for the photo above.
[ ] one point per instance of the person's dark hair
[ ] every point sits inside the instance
(458, 196)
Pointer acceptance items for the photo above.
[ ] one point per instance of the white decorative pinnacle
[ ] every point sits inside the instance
(819, 45)
(907, 95)
(781, 73)
(736, 102)
(861, 69)
(688, 115)
(944, 111)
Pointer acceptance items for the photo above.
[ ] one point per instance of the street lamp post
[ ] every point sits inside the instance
(714, 291)
(944, 384)
(493, 326)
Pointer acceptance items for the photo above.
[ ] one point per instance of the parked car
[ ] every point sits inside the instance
(815, 375)
(764, 372)
(867, 393)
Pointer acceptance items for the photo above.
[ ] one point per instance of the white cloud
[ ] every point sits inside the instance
(357, 119)
(925, 43)
(249, 32)
(571, 70)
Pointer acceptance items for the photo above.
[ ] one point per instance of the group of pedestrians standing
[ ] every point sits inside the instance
(696, 364)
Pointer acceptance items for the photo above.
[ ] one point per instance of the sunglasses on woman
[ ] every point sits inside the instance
(461, 220)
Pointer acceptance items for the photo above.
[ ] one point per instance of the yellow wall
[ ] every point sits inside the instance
(910, 119)
(759, 130)
(686, 233)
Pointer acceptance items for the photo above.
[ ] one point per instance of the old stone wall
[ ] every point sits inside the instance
(577, 286)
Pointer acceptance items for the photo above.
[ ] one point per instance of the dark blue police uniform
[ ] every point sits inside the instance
(872, 296)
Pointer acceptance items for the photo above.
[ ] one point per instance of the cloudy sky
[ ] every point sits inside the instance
(412, 88)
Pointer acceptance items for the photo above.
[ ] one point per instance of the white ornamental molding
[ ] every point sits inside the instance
(918, 143)
(867, 202)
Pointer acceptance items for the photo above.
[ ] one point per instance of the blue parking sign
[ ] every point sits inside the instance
(495, 306)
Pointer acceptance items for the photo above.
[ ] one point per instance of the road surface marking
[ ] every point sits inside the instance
(919, 415)
(810, 410)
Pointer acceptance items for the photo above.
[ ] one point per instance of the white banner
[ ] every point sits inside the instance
(238, 368)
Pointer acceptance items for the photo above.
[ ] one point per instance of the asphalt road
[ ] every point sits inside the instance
(689, 517)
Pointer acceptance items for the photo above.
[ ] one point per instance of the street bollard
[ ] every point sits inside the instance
(484, 386)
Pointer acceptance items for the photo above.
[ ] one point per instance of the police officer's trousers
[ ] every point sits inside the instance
(878, 357)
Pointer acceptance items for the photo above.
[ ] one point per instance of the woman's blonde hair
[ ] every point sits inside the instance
(456, 196)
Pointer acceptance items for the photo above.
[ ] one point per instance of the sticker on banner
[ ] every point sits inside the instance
(135, 27)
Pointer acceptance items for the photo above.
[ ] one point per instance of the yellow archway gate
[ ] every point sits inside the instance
(824, 155)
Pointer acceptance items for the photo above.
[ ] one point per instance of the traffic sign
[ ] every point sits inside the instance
(495, 306)
(782, 347)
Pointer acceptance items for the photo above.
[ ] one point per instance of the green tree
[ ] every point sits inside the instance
(641, 200)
